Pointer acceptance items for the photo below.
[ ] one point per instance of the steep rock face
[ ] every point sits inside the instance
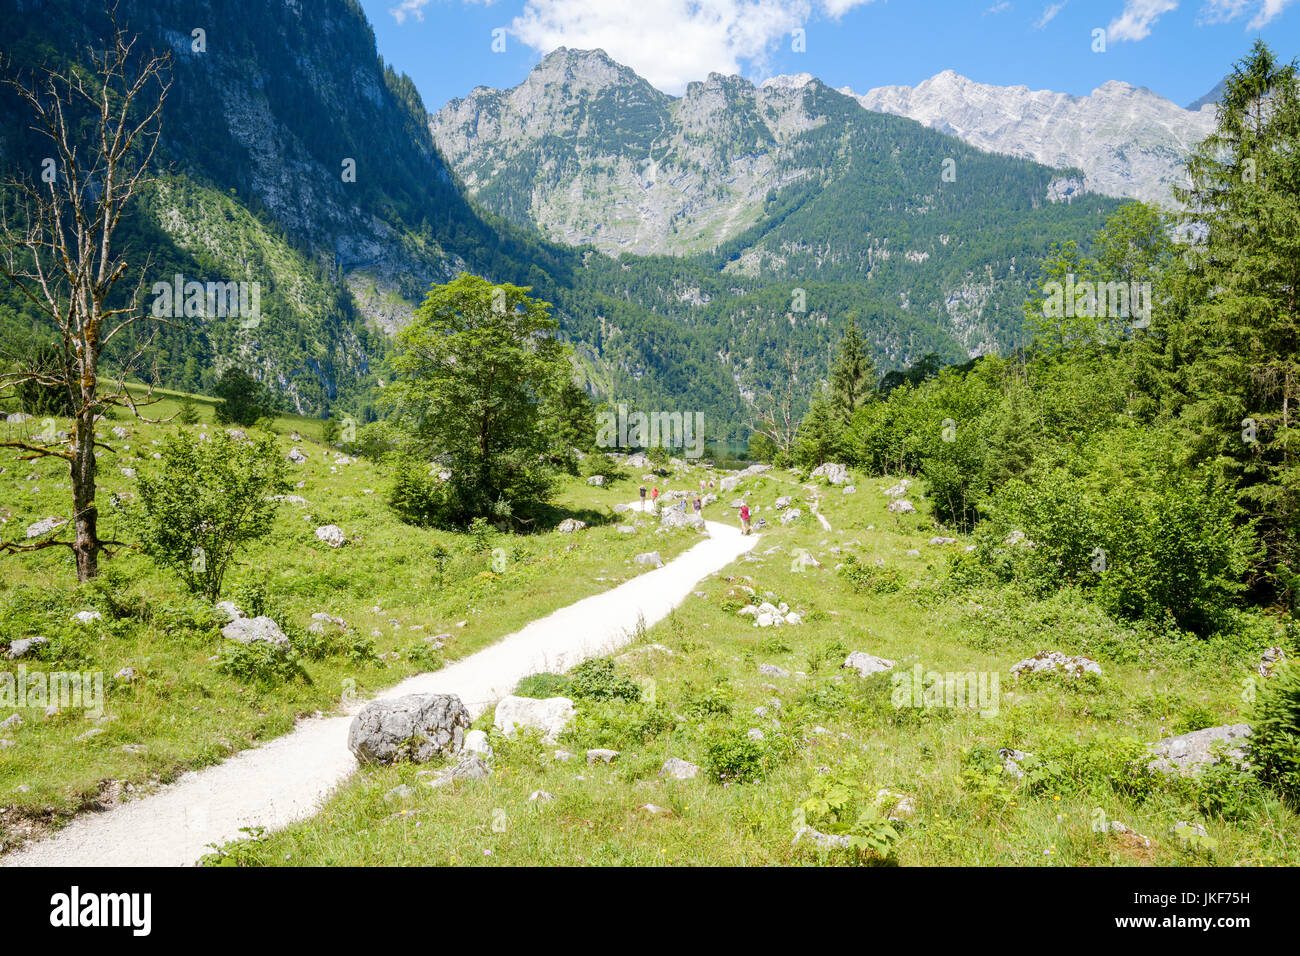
(1128, 141)
(590, 152)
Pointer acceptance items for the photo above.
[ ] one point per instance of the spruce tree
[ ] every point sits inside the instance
(853, 376)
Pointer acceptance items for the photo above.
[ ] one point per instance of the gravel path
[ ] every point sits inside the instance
(287, 778)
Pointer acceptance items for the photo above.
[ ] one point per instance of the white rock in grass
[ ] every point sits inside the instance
(679, 769)
(297, 456)
(570, 525)
(601, 755)
(24, 645)
(771, 670)
(416, 727)
(867, 664)
(332, 535)
(597, 481)
(550, 716)
(902, 507)
(45, 526)
(469, 767)
(651, 558)
(1055, 661)
(540, 796)
(476, 742)
(254, 630)
(833, 472)
(939, 539)
(87, 617)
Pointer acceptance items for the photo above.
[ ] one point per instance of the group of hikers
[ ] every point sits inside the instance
(698, 504)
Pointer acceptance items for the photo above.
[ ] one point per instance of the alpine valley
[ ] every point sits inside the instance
(692, 247)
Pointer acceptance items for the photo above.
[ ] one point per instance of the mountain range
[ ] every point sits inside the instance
(686, 243)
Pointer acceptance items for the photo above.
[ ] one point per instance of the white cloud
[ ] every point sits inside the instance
(1135, 22)
(1049, 14)
(1267, 11)
(409, 8)
(1001, 7)
(672, 42)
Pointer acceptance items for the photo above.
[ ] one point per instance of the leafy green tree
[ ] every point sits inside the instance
(189, 413)
(330, 431)
(205, 500)
(1244, 372)
(475, 366)
(243, 399)
(819, 437)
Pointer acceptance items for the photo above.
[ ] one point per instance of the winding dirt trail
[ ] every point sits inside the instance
(286, 779)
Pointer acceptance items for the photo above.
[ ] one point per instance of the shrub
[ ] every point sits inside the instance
(244, 399)
(731, 757)
(840, 806)
(261, 663)
(205, 500)
(871, 578)
(1274, 748)
(597, 680)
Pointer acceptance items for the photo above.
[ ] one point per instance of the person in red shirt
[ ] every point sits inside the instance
(744, 519)
(654, 495)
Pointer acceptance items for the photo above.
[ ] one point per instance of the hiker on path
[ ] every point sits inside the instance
(698, 507)
(643, 497)
(744, 519)
(654, 495)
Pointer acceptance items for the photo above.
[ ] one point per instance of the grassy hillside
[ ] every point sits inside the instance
(397, 587)
(826, 728)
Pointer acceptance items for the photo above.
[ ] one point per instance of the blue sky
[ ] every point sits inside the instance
(1178, 48)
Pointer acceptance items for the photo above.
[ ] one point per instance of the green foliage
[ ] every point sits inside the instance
(838, 805)
(261, 664)
(244, 400)
(473, 365)
(1274, 747)
(544, 685)
(206, 499)
(732, 757)
(871, 578)
(596, 679)
(189, 413)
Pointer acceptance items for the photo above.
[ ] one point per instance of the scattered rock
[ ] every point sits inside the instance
(469, 767)
(898, 490)
(1055, 661)
(297, 456)
(399, 792)
(866, 664)
(332, 535)
(252, 630)
(597, 480)
(45, 526)
(24, 645)
(850, 489)
(1011, 761)
(550, 716)
(676, 518)
(654, 810)
(12, 722)
(679, 769)
(755, 734)
(651, 558)
(87, 617)
(771, 670)
(791, 516)
(835, 474)
(601, 755)
(626, 529)
(1187, 753)
(822, 841)
(902, 506)
(570, 525)
(126, 674)
(942, 540)
(1268, 663)
(540, 796)
(416, 727)
(785, 501)
(476, 742)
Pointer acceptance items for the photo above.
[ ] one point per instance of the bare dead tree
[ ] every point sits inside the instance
(773, 407)
(57, 249)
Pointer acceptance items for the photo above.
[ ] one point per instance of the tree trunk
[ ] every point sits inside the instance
(85, 514)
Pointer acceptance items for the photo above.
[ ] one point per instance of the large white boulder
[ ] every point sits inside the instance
(254, 630)
(416, 727)
(549, 716)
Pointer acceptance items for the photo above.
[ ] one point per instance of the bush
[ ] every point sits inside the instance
(597, 680)
(244, 399)
(261, 663)
(731, 757)
(871, 578)
(204, 501)
(1274, 748)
